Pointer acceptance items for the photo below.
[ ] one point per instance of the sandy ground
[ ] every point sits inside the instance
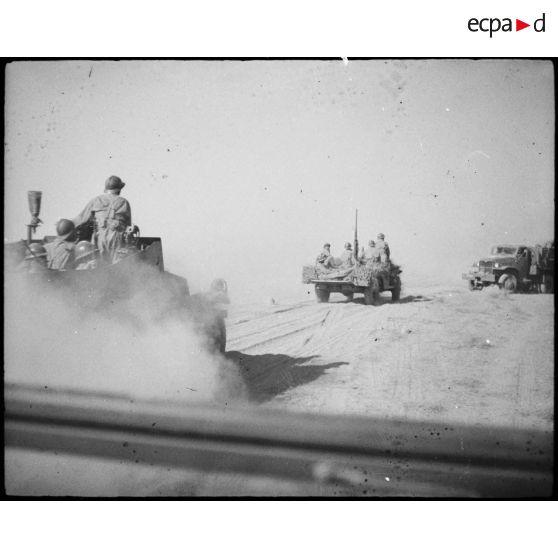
(439, 355)
(451, 355)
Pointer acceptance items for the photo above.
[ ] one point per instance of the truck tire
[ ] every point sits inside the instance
(547, 286)
(371, 296)
(396, 291)
(508, 282)
(322, 293)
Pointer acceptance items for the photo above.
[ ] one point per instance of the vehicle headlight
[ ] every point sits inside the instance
(496, 264)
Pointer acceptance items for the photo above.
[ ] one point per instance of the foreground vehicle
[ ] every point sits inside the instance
(139, 274)
(514, 268)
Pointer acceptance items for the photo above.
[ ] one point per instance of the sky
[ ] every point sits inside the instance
(245, 168)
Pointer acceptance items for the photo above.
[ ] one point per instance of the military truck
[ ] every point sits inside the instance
(515, 267)
(364, 276)
(368, 278)
(138, 274)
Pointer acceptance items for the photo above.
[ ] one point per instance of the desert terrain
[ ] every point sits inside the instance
(439, 355)
(480, 358)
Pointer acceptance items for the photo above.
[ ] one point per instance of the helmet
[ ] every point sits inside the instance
(381, 236)
(37, 251)
(114, 183)
(219, 285)
(84, 249)
(64, 228)
(348, 246)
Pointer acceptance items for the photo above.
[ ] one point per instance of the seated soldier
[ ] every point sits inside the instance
(36, 260)
(86, 256)
(367, 254)
(60, 250)
(347, 257)
(325, 259)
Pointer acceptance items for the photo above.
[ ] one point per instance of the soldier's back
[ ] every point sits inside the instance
(59, 254)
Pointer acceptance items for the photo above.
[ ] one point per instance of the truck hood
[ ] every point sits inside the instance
(503, 259)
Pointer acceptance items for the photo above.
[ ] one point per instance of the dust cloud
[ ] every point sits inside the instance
(139, 344)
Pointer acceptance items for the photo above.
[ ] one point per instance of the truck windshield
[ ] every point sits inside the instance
(497, 250)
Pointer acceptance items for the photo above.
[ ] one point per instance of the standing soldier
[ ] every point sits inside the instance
(60, 250)
(112, 216)
(382, 247)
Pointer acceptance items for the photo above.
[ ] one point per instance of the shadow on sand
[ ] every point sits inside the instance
(271, 374)
(414, 298)
(386, 299)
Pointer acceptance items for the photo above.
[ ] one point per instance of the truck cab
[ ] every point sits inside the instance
(514, 267)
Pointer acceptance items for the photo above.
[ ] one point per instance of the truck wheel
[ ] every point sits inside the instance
(371, 296)
(547, 286)
(508, 282)
(396, 291)
(322, 294)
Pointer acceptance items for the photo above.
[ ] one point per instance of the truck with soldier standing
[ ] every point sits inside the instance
(368, 274)
(135, 268)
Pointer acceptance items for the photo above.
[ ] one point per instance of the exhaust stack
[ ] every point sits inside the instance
(34, 200)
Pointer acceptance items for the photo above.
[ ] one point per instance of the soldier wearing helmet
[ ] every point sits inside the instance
(85, 255)
(369, 253)
(36, 259)
(112, 215)
(347, 257)
(60, 251)
(218, 291)
(382, 247)
(324, 261)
